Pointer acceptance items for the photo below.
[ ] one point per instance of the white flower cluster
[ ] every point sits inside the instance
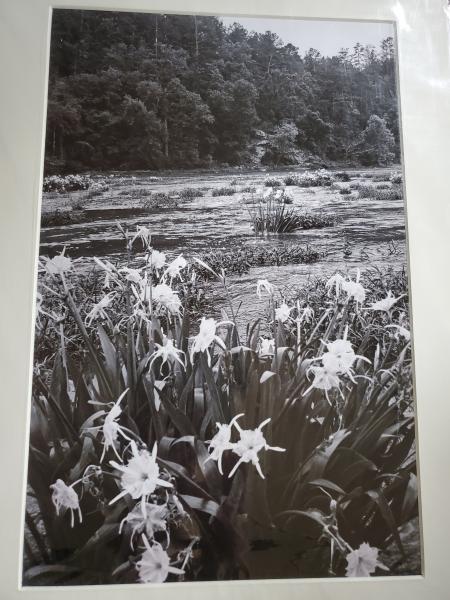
(251, 442)
(337, 361)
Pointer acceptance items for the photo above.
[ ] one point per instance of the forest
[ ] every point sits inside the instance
(130, 91)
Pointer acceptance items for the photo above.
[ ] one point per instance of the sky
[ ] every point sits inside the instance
(326, 36)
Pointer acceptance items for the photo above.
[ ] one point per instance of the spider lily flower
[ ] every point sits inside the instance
(144, 234)
(205, 337)
(283, 312)
(153, 521)
(325, 378)
(251, 442)
(98, 310)
(157, 260)
(220, 443)
(267, 192)
(154, 565)
(111, 429)
(141, 476)
(266, 347)
(131, 275)
(165, 297)
(168, 352)
(363, 561)
(341, 356)
(65, 497)
(336, 282)
(354, 289)
(175, 267)
(58, 265)
(263, 285)
(386, 303)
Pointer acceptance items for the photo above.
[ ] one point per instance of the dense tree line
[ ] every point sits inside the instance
(147, 91)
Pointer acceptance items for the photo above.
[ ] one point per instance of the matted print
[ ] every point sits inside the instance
(222, 384)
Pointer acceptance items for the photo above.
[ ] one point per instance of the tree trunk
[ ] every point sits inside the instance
(166, 138)
(196, 36)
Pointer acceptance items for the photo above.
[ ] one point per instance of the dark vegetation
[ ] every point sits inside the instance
(147, 91)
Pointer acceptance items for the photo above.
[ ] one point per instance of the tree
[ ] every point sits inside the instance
(281, 148)
(170, 91)
(376, 144)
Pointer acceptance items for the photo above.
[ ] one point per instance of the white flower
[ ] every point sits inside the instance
(152, 521)
(165, 297)
(363, 561)
(263, 285)
(111, 429)
(221, 442)
(325, 378)
(65, 497)
(140, 477)
(267, 192)
(205, 337)
(154, 565)
(266, 347)
(132, 275)
(386, 304)
(144, 234)
(355, 290)
(157, 259)
(57, 265)
(340, 356)
(168, 352)
(335, 281)
(98, 310)
(282, 312)
(175, 267)
(251, 442)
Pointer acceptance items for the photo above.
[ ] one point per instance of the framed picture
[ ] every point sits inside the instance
(226, 386)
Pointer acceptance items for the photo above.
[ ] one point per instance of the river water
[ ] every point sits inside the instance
(371, 232)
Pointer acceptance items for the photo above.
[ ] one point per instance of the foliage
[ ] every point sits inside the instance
(152, 91)
(272, 182)
(376, 145)
(224, 191)
(371, 191)
(241, 260)
(342, 176)
(281, 145)
(56, 218)
(160, 200)
(270, 215)
(190, 193)
(67, 183)
(346, 475)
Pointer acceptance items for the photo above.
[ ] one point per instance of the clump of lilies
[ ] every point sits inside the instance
(170, 440)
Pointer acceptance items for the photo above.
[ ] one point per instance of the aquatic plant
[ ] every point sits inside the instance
(223, 191)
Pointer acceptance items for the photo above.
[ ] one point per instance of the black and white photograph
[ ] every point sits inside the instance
(222, 380)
